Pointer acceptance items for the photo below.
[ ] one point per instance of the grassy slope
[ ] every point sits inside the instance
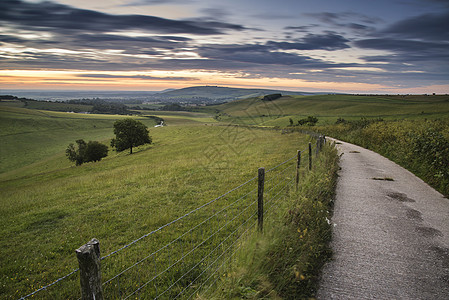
(32, 136)
(330, 107)
(47, 213)
(56, 207)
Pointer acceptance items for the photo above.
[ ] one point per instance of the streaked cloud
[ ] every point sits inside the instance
(290, 41)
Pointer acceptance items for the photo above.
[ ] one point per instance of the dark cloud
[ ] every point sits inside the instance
(426, 27)
(260, 54)
(99, 41)
(357, 23)
(420, 43)
(424, 49)
(53, 16)
(305, 28)
(329, 41)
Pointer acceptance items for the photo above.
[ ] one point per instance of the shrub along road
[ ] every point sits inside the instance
(391, 234)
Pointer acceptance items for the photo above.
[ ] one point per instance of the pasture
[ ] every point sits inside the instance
(49, 207)
(328, 108)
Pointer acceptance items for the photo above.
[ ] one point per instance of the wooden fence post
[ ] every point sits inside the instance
(260, 188)
(298, 164)
(310, 156)
(90, 274)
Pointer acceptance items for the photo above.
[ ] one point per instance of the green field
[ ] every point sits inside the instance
(33, 136)
(49, 207)
(328, 108)
(56, 207)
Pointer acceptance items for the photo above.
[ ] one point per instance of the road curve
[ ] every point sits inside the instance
(391, 234)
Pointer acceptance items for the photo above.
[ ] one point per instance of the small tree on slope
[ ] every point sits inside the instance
(130, 133)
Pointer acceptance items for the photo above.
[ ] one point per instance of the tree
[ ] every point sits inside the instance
(130, 133)
(86, 152)
(95, 151)
(77, 154)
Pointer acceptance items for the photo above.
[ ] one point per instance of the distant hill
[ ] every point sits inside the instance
(215, 94)
(329, 108)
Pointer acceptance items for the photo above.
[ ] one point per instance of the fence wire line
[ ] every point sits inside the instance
(273, 201)
(49, 285)
(179, 237)
(178, 219)
(160, 228)
(213, 250)
(281, 173)
(168, 268)
(216, 270)
(282, 163)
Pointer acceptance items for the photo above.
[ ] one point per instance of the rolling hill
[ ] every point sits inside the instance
(328, 108)
(218, 94)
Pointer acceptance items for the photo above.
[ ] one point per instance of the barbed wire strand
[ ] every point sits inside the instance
(178, 238)
(168, 268)
(216, 270)
(273, 201)
(217, 247)
(282, 163)
(212, 263)
(178, 219)
(49, 285)
(160, 228)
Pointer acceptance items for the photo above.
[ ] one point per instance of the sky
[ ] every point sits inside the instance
(353, 46)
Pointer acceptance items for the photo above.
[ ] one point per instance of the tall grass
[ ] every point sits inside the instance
(422, 146)
(285, 261)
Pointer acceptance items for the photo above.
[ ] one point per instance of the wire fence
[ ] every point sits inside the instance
(186, 256)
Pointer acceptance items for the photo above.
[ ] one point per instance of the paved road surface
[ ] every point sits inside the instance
(391, 238)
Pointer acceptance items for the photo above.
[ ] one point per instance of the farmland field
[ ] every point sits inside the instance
(56, 207)
(328, 108)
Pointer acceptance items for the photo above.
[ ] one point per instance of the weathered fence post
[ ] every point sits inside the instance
(90, 274)
(260, 187)
(298, 164)
(310, 156)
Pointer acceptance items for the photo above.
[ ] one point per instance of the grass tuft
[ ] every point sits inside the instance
(285, 261)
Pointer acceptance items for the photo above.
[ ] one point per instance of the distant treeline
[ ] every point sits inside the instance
(100, 106)
(95, 106)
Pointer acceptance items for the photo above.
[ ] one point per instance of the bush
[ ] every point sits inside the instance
(95, 151)
(271, 97)
(86, 152)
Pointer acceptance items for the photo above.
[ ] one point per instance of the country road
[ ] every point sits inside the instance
(391, 234)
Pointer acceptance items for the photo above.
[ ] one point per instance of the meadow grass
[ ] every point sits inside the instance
(50, 207)
(328, 108)
(32, 136)
(48, 213)
(285, 261)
